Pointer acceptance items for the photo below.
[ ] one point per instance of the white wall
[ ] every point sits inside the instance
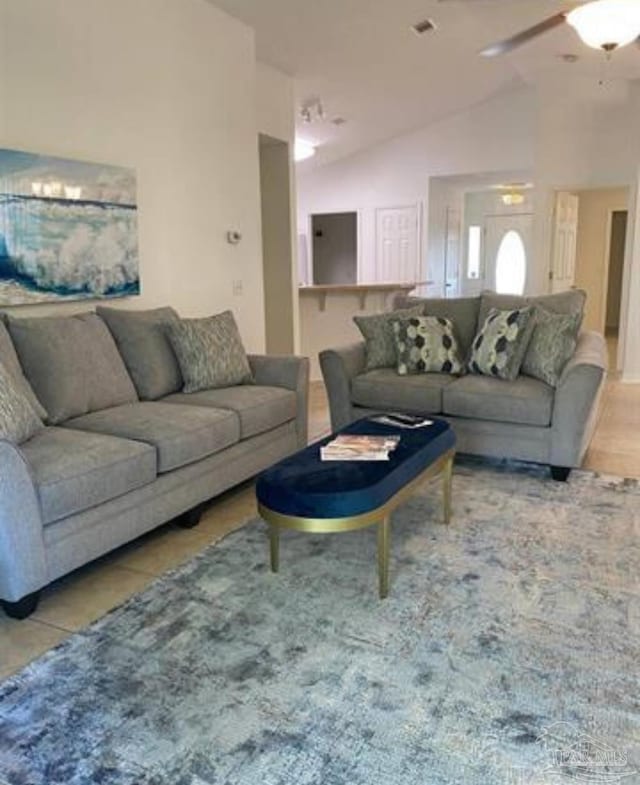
(496, 135)
(166, 87)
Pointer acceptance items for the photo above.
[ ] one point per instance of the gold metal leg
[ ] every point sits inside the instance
(447, 477)
(274, 538)
(383, 557)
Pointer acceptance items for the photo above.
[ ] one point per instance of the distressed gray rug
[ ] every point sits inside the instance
(508, 652)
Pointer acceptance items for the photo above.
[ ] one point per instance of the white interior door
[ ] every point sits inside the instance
(507, 252)
(397, 258)
(565, 233)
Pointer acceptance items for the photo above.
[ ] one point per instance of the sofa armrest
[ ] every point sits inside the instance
(289, 372)
(577, 399)
(339, 368)
(23, 565)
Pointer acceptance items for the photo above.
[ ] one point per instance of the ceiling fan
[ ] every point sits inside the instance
(601, 24)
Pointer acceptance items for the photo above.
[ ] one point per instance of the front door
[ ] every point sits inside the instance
(507, 250)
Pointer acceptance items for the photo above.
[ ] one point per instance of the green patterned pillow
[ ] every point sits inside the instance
(377, 331)
(426, 344)
(210, 352)
(552, 345)
(18, 420)
(499, 348)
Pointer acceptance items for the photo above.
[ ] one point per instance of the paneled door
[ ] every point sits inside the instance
(565, 233)
(397, 244)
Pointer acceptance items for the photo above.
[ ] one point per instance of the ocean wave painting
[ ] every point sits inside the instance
(68, 230)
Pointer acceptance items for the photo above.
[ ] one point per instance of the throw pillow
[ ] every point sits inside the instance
(499, 348)
(9, 359)
(426, 344)
(72, 363)
(18, 420)
(377, 331)
(552, 345)
(145, 348)
(210, 352)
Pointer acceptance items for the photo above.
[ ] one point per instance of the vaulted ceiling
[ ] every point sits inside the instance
(366, 65)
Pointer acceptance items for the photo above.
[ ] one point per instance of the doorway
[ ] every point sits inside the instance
(617, 245)
(601, 239)
(277, 246)
(506, 252)
(335, 248)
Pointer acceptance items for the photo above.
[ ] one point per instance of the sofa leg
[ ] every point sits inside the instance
(22, 608)
(560, 473)
(191, 517)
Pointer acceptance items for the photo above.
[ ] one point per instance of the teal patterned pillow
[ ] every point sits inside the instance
(377, 331)
(426, 344)
(552, 345)
(18, 419)
(210, 352)
(499, 348)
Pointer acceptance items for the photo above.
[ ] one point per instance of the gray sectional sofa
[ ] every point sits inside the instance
(524, 419)
(124, 450)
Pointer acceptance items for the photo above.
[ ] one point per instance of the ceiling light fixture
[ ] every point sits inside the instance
(303, 150)
(607, 24)
(512, 198)
(312, 111)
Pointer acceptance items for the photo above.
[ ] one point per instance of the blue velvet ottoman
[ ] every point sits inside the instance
(305, 493)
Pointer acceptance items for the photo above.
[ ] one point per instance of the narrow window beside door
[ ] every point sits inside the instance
(473, 252)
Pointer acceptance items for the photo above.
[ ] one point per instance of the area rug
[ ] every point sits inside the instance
(507, 652)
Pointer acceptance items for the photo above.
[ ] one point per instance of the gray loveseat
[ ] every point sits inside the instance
(524, 419)
(123, 449)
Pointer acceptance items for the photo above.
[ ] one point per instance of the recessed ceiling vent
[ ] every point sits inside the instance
(426, 26)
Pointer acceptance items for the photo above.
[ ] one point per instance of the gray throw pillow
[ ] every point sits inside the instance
(499, 348)
(552, 345)
(146, 349)
(9, 359)
(18, 420)
(377, 331)
(210, 352)
(426, 344)
(72, 363)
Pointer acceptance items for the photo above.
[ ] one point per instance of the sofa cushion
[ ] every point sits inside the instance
(463, 312)
(552, 345)
(74, 471)
(380, 342)
(386, 390)
(524, 401)
(180, 434)
(145, 347)
(9, 359)
(18, 419)
(72, 363)
(258, 408)
(210, 352)
(499, 348)
(569, 302)
(426, 344)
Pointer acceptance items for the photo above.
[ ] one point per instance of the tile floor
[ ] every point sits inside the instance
(90, 592)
